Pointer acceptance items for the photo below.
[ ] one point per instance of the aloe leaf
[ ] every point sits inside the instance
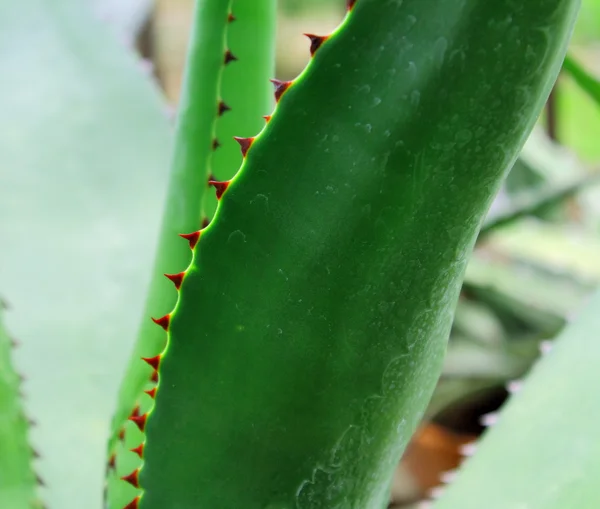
(311, 325)
(188, 183)
(18, 481)
(226, 85)
(583, 78)
(544, 451)
(245, 85)
(83, 152)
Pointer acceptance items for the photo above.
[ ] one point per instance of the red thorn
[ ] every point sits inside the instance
(140, 421)
(231, 18)
(134, 504)
(153, 361)
(315, 42)
(223, 108)
(122, 434)
(267, 118)
(245, 144)
(136, 411)
(163, 322)
(229, 57)
(280, 88)
(139, 450)
(151, 392)
(350, 4)
(132, 478)
(176, 279)
(154, 377)
(205, 222)
(192, 238)
(221, 187)
(215, 144)
(112, 461)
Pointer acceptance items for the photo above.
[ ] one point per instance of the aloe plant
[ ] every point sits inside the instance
(306, 332)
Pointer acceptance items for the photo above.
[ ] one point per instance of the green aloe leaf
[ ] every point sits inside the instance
(226, 93)
(544, 450)
(84, 146)
(311, 324)
(18, 482)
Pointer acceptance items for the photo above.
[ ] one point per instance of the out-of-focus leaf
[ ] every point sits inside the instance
(84, 149)
(544, 451)
(541, 299)
(478, 322)
(531, 202)
(578, 114)
(559, 250)
(127, 17)
(583, 78)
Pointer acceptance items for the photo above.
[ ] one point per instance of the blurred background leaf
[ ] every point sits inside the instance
(84, 152)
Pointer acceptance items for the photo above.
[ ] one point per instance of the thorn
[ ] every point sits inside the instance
(134, 504)
(215, 144)
(280, 88)
(205, 222)
(488, 420)
(132, 478)
(221, 187)
(135, 412)
(545, 347)
(229, 57)
(267, 118)
(177, 279)
(39, 480)
(315, 42)
(112, 462)
(139, 450)
(140, 421)
(231, 18)
(34, 453)
(14, 343)
(245, 144)
(154, 377)
(163, 322)
(122, 434)
(151, 392)
(146, 66)
(192, 238)
(449, 476)
(152, 361)
(350, 4)
(223, 108)
(436, 492)
(468, 449)
(514, 386)
(31, 422)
